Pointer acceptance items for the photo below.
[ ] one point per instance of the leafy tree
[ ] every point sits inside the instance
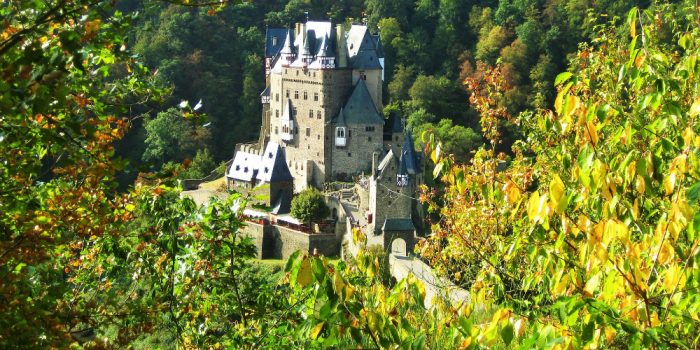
(200, 166)
(309, 206)
(437, 95)
(456, 139)
(170, 137)
(401, 82)
(491, 43)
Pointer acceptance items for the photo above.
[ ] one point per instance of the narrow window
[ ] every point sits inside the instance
(311, 113)
(296, 94)
(277, 97)
(316, 96)
(306, 96)
(294, 111)
(277, 113)
(369, 139)
(308, 131)
(287, 94)
(349, 154)
(276, 130)
(318, 114)
(274, 41)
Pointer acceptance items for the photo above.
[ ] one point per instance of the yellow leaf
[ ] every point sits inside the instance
(465, 343)
(640, 185)
(592, 285)
(670, 183)
(673, 278)
(556, 190)
(666, 253)
(304, 275)
(532, 206)
(316, 330)
(609, 334)
(688, 137)
(695, 108)
(591, 133)
(572, 103)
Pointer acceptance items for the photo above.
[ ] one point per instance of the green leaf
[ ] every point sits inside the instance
(693, 192)
(419, 343)
(588, 329)
(562, 77)
(507, 333)
(694, 226)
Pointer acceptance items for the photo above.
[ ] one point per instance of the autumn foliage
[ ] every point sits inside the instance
(589, 234)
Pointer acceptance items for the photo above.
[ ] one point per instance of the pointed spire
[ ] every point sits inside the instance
(325, 47)
(287, 47)
(409, 162)
(307, 45)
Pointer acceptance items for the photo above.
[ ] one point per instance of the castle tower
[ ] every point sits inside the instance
(314, 70)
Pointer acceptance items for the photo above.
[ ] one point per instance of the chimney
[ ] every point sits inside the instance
(342, 45)
(302, 37)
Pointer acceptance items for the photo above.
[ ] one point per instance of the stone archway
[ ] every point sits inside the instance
(398, 247)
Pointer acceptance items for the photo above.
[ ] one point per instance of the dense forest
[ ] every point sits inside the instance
(215, 58)
(565, 139)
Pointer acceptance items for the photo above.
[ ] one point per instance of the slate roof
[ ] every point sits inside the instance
(360, 108)
(244, 166)
(287, 47)
(271, 166)
(274, 165)
(378, 46)
(272, 33)
(408, 164)
(361, 48)
(340, 119)
(266, 92)
(398, 225)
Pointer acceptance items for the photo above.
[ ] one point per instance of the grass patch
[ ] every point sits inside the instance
(216, 185)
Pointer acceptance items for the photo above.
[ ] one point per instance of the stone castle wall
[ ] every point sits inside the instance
(278, 242)
(356, 156)
(317, 96)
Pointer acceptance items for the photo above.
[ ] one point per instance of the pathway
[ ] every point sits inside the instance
(401, 265)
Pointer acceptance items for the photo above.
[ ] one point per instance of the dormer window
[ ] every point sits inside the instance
(340, 138)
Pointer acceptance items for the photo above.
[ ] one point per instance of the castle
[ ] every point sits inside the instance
(323, 127)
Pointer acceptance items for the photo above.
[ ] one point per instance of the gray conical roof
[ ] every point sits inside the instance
(287, 47)
(308, 45)
(326, 50)
(408, 164)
